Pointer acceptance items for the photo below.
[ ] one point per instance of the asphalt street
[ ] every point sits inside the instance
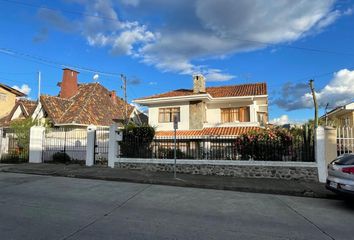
(44, 207)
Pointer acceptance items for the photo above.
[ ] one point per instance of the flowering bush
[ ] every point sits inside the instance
(269, 144)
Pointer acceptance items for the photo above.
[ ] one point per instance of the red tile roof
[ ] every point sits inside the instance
(27, 108)
(215, 131)
(251, 89)
(91, 105)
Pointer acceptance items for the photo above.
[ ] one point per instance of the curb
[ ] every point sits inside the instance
(181, 183)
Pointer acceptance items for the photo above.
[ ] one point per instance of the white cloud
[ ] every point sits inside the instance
(24, 88)
(190, 31)
(283, 119)
(215, 75)
(124, 42)
(339, 91)
(133, 3)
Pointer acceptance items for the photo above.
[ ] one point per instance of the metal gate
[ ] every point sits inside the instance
(345, 140)
(63, 144)
(101, 145)
(14, 145)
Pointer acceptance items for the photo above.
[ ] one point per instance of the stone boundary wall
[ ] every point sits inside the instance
(247, 169)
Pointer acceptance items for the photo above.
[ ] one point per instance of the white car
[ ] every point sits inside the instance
(341, 175)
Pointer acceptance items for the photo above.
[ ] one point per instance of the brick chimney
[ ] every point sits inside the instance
(113, 96)
(198, 83)
(69, 86)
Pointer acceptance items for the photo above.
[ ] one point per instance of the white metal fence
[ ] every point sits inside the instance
(345, 140)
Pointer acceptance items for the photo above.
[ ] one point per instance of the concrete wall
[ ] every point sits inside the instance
(8, 103)
(246, 169)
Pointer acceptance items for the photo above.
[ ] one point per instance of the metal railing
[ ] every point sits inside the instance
(101, 145)
(14, 145)
(220, 148)
(345, 140)
(70, 142)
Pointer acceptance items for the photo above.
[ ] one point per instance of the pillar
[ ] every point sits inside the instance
(320, 154)
(36, 144)
(330, 144)
(113, 146)
(90, 148)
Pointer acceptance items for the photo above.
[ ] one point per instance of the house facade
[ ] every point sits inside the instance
(8, 96)
(224, 110)
(81, 105)
(23, 109)
(342, 116)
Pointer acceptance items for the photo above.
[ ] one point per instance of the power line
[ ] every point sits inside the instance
(42, 60)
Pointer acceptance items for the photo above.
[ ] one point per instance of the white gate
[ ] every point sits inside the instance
(345, 140)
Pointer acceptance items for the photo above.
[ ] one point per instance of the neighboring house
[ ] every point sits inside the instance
(23, 109)
(211, 111)
(80, 105)
(341, 116)
(8, 96)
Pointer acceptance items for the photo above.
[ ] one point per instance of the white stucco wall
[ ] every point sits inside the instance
(184, 117)
(17, 113)
(213, 113)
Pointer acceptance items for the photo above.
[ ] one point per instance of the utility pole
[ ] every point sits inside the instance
(326, 108)
(39, 85)
(39, 93)
(314, 102)
(124, 79)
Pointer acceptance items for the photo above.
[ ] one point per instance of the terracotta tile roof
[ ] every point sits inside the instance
(5, 121)
(91, 105)
(27, 108)
(238, 90)
(216, 131)
(251, 89)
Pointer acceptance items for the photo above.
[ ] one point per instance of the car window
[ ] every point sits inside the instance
(346, 159)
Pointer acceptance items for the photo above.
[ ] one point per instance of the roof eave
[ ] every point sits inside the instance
(148, 101)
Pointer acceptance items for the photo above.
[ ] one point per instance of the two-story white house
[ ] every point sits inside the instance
(208, 111)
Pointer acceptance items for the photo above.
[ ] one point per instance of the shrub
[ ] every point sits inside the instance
(269, 144)
(137, 141)
(168, 153)
(61, 157)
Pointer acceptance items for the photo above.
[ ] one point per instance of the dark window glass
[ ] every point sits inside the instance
(345, 159)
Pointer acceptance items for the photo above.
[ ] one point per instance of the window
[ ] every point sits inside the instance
(241, 114)
(168, 114)
(3, 97)
(262, 118)
(345, 121)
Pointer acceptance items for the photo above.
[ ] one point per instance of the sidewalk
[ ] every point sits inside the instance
(259, 185)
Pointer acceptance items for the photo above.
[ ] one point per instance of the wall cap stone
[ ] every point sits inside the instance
(219, 162)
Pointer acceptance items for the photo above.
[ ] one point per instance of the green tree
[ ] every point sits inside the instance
(21, 132)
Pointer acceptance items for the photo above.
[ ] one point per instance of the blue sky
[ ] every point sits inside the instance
(159, 44)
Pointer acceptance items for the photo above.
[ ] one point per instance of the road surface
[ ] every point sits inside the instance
(44, 207)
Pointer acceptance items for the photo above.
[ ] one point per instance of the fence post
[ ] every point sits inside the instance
(113, 146)
(36, 144)
(320, 154)
(90, 148)
(1, 142)
(331, 144)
